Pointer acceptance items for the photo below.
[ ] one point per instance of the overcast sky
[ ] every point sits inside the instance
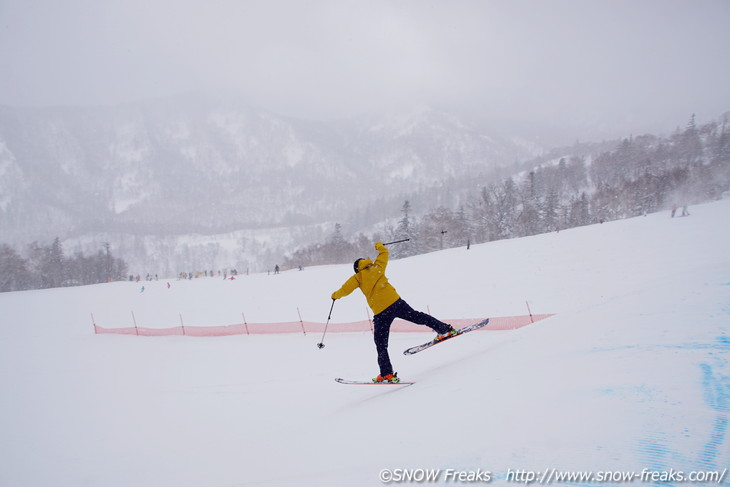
(605, 64)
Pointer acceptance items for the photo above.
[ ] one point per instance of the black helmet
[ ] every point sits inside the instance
(356, 264)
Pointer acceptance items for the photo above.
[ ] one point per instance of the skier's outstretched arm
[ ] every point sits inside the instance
(350, 285)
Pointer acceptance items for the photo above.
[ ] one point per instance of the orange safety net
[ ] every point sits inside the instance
(496, 323)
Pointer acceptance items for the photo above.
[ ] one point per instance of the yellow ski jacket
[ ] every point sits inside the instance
(371, 280)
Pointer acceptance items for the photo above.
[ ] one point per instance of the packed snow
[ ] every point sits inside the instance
(630, 376)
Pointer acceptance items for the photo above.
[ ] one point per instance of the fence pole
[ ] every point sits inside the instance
(244, 323)
(93, 322)
(182, 324)
(301, 322)
(134, 320)
(529, 311)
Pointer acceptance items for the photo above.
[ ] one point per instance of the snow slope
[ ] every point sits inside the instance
(631, 374)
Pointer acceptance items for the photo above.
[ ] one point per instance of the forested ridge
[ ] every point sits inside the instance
(640, 175)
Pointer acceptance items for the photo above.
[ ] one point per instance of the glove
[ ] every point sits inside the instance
(379, 246)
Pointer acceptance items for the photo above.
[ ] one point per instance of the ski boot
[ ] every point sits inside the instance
(392, 378)
(446, 335)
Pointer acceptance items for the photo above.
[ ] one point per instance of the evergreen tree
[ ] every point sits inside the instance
(405, 229)
(341, 251)
(576, 175)
(460, 230)
(722, 147)
(55, 265)
(14, 274)
(504, 204)
(528, 221)
(579, 213)
(690, 143)
(551, 212)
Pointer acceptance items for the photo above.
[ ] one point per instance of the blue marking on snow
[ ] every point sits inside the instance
(656, 449)
(656, 455)
(717, 395)
(708, 456)
(721, 343)
(717, 389)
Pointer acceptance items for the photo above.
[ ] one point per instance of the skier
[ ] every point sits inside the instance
(386, 305)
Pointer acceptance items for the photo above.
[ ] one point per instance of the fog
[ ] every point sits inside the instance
(595, 68)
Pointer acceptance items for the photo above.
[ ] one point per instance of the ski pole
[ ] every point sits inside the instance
(320, 345)
(397, 241)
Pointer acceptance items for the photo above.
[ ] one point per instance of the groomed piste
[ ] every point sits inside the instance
(629, 376)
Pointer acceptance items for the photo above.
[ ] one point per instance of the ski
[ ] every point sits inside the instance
(460, 331)
(371, 383)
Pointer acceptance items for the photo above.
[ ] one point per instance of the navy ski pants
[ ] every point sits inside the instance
(383, 320)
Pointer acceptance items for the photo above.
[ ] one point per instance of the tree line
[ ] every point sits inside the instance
(640, 175)
(48, 267)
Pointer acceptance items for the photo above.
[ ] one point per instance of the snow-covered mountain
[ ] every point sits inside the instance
(140, 174)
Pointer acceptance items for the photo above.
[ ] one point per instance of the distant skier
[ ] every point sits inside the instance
(685, 210)
(386, 305)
